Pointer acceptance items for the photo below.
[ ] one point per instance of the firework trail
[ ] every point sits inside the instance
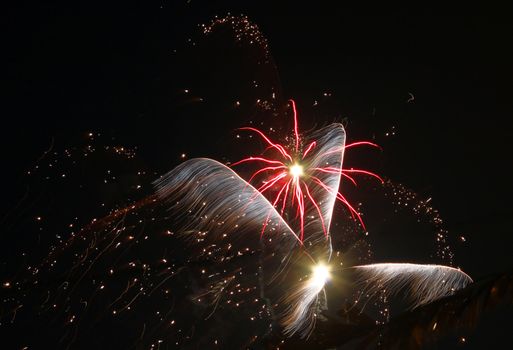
(230, 247)
(422, 283)
(304, 302)
(217, 205)
(219, 208)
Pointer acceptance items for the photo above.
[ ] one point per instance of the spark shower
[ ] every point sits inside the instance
(220, 205)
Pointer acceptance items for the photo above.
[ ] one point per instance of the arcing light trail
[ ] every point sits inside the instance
(301, 181)
(293, 175)
(300, 315)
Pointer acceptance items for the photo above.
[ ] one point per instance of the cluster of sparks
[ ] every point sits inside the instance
(402, 197)
(243, 29)
(286, 175)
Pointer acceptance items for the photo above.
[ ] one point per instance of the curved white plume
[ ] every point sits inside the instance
(304, 304)
(329, 152)
(217, 204)
(422, 283)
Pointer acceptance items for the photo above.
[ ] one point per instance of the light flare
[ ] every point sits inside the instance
(296, 171)
(320, 275)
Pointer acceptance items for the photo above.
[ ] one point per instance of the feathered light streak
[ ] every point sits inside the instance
(422, 283)
(217, 205)
(303, 303)
(212, 198)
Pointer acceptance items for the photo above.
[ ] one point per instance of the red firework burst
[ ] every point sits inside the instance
(289, 179)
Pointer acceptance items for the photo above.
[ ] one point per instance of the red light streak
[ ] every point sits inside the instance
(362, 143)
(296, 133)
(318, 210)
(250, 159)
(309, 148)
(359, 171)
(280, 148)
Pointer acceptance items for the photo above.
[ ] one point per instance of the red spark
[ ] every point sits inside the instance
(359, 171)
(280, 148)
(295, 123)
(257, 159)
(309, 148)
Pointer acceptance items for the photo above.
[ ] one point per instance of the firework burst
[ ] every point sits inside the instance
(306, 172)
(293, 193)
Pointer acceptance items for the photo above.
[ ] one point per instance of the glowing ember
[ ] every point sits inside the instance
(320, 275)
(296, 171)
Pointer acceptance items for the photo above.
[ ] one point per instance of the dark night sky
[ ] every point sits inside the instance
(111, 68)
